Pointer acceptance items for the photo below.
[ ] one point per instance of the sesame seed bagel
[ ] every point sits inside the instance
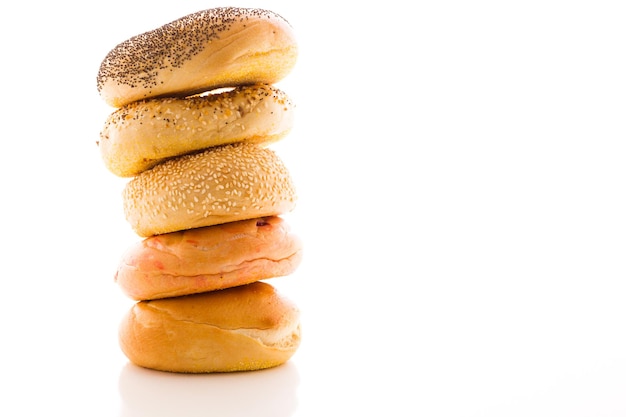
(219, 47)
(142, 134)
(209, 258)
(218, 185)
(244, 328)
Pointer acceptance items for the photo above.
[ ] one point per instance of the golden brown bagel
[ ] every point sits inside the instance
(243, 328)
(219, 185)
(220, 47)
(142, 134)
(209, 258)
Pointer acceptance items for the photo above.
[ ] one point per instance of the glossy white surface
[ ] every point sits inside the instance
(463, 198)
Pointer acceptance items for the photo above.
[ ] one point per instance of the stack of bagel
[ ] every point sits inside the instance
(196, 108)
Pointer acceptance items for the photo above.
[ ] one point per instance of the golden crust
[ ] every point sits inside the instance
(237, 329)
(219, 185)
(143, 134)
(219, 47)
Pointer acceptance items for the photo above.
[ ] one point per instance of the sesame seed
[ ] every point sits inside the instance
(245, 178)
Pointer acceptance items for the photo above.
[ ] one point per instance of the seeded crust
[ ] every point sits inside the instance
(142, 134)
(219, 47)
(219, 185)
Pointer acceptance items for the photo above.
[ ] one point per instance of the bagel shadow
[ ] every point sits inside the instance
(270, 392)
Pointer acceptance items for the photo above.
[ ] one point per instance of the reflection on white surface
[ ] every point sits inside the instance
(485, 264)
(267, 393)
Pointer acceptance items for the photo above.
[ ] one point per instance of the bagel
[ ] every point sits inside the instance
(244, 328)
(219, 47)
(209, 258)
(218, 185)
(142, 134)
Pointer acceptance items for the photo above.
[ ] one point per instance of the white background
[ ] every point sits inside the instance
(462, 184)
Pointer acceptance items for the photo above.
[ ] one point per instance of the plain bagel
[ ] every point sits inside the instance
(219, 47)
(209, 258)
(244, 328)
(219, 185)
(142, 134)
